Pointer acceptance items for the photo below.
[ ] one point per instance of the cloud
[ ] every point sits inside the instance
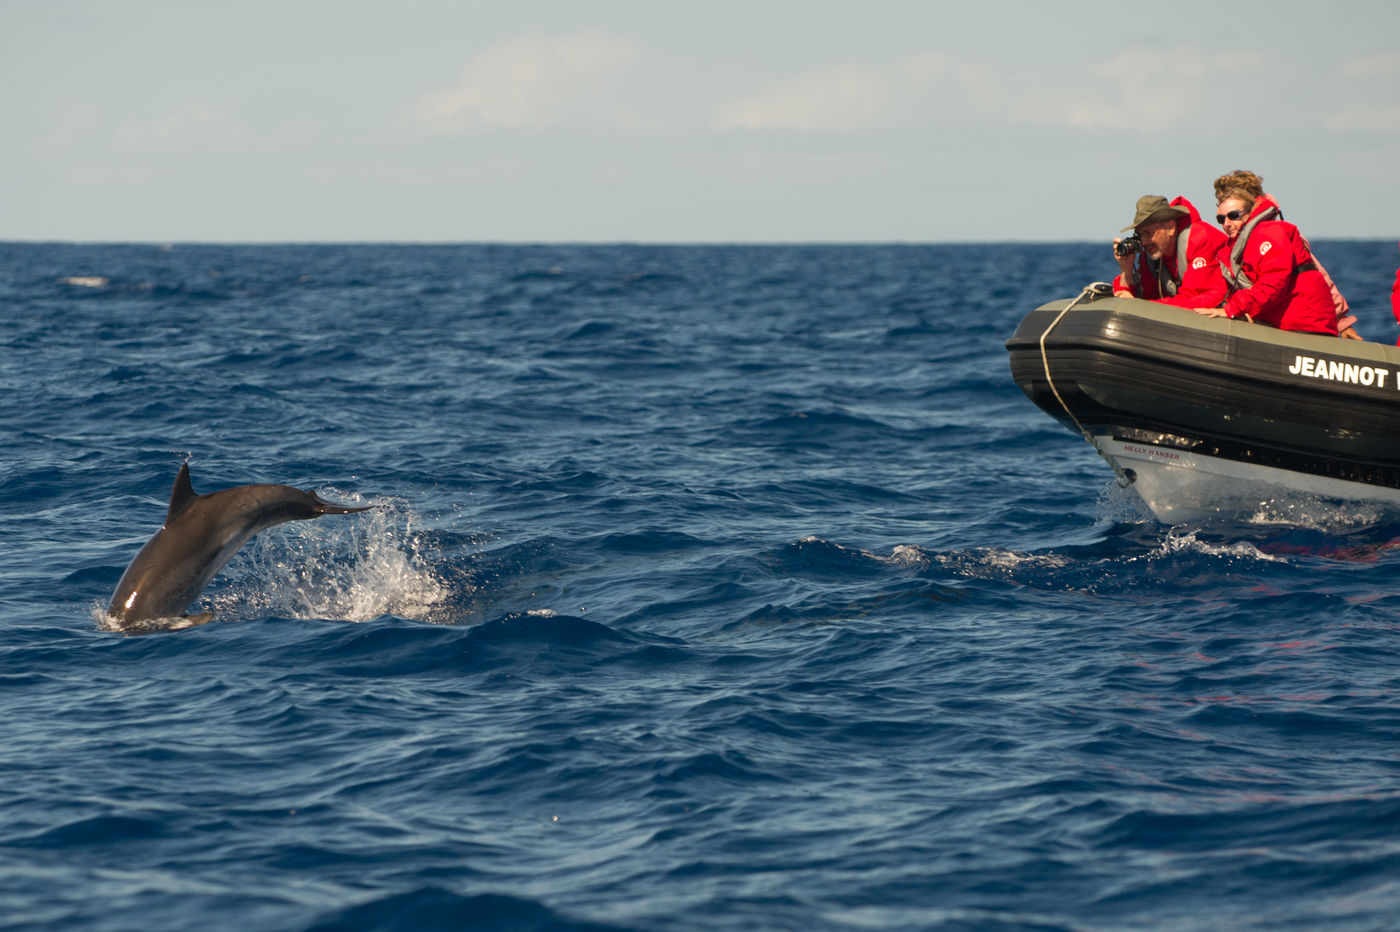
(1155, 91)
(205, 128)
(1377, 118)
(1136, 91)
(1372, 67)
(914, 91)
(537, 82)
(191, 127)
(600, 81)
(70, 129)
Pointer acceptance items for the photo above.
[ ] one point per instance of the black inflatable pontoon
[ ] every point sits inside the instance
(1204, 415)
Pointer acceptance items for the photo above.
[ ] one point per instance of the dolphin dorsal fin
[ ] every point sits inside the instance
(182, 495)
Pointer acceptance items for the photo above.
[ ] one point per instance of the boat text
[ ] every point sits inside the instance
(1149, 452)
(1334, 371)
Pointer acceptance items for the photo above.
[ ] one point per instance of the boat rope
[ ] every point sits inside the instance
(1098, 290)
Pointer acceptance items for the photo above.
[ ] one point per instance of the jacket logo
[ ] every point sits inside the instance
(1200, 263)
(1264, 247)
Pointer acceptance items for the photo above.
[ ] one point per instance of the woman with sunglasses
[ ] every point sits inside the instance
(1271, 272)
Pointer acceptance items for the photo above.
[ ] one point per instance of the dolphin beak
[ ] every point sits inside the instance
(332, 508)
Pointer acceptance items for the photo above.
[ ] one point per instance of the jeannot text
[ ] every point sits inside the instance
(1334, 371)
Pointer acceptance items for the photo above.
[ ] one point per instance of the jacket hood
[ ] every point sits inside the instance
(1265, 202)
(1192, 215)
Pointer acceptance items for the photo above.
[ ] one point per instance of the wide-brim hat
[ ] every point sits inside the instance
(1154, 207)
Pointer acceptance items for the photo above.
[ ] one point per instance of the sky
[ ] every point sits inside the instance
(679, 122)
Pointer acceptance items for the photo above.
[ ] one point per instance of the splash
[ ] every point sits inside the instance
(1271, 508)
(356, 570)
(106, 622)
(996, 563)
(1311, 512)
(1121, 505)
(901, 555)
(1117, 563)
(1187, 540)
(909, 555)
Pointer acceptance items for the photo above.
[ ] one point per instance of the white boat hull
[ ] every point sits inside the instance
(1181, 487)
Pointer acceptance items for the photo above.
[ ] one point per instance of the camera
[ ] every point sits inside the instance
(1127, 245)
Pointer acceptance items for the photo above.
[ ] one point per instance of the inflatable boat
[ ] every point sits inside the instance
(1204, 415)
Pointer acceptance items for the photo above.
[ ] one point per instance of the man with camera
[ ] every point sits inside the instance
(1172, 256)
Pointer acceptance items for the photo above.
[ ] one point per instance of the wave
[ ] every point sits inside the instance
(430, 908)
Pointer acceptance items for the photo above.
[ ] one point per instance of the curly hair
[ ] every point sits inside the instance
(1242, 184)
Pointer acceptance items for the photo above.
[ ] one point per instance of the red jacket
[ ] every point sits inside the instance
(1272, 276)
(1202, 285)
(1395, 299)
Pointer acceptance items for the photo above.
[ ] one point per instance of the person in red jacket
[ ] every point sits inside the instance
(1177, 260)
(1267, 263)
(1395, 300)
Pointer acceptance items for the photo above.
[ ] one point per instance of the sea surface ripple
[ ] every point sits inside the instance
(707, 588)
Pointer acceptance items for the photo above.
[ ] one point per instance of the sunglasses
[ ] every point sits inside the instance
(1232, 215)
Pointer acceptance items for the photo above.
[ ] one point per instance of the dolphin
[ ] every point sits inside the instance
(201, 533)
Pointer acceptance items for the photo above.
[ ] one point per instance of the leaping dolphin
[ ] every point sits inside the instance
(201, 533)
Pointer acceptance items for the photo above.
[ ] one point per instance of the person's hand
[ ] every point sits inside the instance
(1124, 262)
(1124, 293)
(1210, 311)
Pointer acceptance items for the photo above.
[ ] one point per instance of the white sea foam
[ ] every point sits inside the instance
(349, 568)
(107, 622)
(907, 555)
(1313, 513)
(1187, 540)
(901, 555)
(995, 563)
(85, 281)
(1050, 567)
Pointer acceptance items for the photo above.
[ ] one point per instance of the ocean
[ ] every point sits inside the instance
(705, 588)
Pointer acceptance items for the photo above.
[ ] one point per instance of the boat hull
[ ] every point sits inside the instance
(1204, 415)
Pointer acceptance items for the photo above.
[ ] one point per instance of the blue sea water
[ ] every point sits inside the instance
(707, 588)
